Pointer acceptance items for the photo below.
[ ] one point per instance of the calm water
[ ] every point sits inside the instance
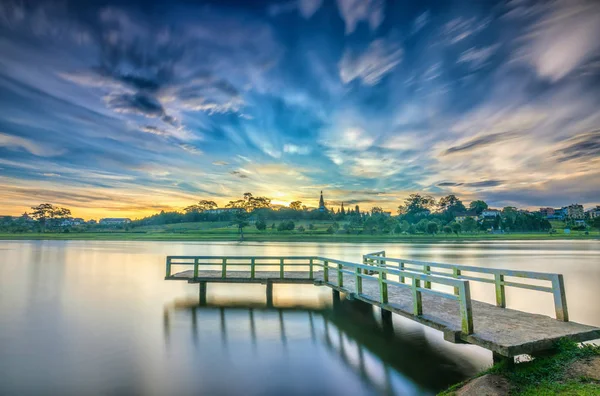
(97, 318)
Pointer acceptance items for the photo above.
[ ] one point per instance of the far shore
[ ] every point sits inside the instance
(292, 237)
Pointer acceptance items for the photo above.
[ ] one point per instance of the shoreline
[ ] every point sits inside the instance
(186, 237)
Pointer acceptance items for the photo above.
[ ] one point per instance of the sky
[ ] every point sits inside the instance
(115, 108)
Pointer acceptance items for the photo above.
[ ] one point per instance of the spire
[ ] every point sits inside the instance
(343, 211)
(321, 203)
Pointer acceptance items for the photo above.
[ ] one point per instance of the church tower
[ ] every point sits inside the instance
(321, 203)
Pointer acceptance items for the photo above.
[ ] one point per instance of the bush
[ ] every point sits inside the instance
(447, 229)
(286, 226)
(261, 225)
(330, 230)
(300, 229)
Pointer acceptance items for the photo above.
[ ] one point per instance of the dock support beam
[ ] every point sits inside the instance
(203, 287)
(497, 358)
(269, 294)
(336, 299)
(386, 322)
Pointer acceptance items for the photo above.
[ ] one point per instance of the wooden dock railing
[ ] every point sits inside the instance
(333, 272)
(556, 286)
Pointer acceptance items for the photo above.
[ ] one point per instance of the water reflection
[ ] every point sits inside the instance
(382, 360)
(87, 318)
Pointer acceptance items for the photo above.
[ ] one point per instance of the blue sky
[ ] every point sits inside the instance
(127, 108)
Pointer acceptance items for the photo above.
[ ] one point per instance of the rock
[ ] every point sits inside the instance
(588, 368)
(486, 385)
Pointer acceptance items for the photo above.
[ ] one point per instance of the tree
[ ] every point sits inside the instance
(456, 228)
(261, 225)
(417, 204)
(451, 204)
(596, 223)
(432, 227)
(241, 220)
(296, 205)
(376, 210)
(300, 229)
(469, 225)
(46, 212)
(478, 206)
(447, 229)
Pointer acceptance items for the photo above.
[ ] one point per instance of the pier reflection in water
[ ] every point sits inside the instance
(303, 348)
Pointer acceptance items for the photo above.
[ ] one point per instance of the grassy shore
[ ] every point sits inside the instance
(572, 370)
(209, 235)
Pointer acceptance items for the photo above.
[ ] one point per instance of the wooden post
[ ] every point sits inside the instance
(168, 267)
(358, 281)
(383, 294)
(455, 274)
(466, 312)
(203, 287)
(416, 293)
(195, 268)
(252, 268)
(401, 268)
(560, 298)
(500, 294)
(310, 269)
(427, 271)
(281, 268)
(340, 276)
(224, 269)
(269, 294)
(326, 271)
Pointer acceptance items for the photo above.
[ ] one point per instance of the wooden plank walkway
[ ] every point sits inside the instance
(507, 332)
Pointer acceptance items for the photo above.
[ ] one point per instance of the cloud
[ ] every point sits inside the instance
(355, 11)
(153, 130)
(309, 7)
(460, 28)
(380, 58)
(220, 163)
(135, 104)
(477, 57)
(585, 146)
(421, 21)
(294, 149)
(482, 141)
(32, 147)
(239, 174)
(565, 37)
(190, 148)
(478, 184)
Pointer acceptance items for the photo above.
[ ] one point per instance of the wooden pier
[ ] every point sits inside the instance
(434, 294)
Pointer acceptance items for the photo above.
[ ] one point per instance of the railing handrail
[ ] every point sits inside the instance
(557, 289)
(360, 271)
(467, 268)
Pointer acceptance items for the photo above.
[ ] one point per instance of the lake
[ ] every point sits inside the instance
(96, 318)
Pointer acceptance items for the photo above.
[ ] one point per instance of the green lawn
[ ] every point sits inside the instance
(550, 375)
(227, 232)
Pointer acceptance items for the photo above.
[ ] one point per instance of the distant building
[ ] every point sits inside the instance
(593, 213)
(579, 222)
(115, 221)
(72, 222)
(223, 210)
(575, 211)
(547, 212)
(462, 216)
(490, 213)
(322, 204)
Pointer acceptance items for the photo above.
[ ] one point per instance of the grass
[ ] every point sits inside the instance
(224, 231)
(231, 234)
(547, 375)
